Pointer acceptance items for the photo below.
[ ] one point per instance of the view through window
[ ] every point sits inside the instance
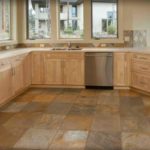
(104, 19)
(39, 23)
(71, 18)
(4, 19)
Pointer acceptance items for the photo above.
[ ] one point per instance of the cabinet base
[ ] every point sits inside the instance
(57, 86)
(140, 91)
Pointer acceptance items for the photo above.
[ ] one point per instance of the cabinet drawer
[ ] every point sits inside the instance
(64, 55)
(140, 81)
(141, 57)
(141, 67)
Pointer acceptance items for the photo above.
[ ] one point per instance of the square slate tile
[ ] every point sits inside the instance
(36, 139)
(69, 140)
(58, 108)
(15, 107)
(44, 98)
(76, 122)
(49, 121)
(5, 117)
(22, 120)
(66, 98)
(108, 124)
(80, 109)
(129, 124)
(88, 92)
(103, 141)
(135, 141)
(85, 100)
(35, 107)
(108, 100)
(104, 111)
(9, 136)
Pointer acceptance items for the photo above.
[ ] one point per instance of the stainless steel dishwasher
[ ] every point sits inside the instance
(99, 69)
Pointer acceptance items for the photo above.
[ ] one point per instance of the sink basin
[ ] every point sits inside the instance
(65, 49)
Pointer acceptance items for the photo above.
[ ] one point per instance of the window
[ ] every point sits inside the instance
(5, 20)
(104, 19)
(71, 18)
(39, 23)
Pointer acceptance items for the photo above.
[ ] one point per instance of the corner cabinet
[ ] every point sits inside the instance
(6, 74)
(122, 70)
(141, 72)
(15, 76)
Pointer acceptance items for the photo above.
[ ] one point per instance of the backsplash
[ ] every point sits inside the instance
(135, 38)
(139, 38)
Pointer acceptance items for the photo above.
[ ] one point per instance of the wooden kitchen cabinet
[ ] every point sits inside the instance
(74, 72)
(122, 71)
(64, 68)
(17, 64)
(5, 81)
(53, 71)
(37, 67)
(27, 70)
(140, 68)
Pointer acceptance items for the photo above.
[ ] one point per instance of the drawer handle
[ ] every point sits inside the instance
(2, 64)
(144, 68)
(142, 82)
(143, 58)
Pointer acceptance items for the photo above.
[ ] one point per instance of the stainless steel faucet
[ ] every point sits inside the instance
(69, 45)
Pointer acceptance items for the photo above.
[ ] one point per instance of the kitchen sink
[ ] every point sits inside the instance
(65, 49)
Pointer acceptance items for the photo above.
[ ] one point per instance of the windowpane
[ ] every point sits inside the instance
(39, 24)
(104, 19)
(71, 18)
(4, 19)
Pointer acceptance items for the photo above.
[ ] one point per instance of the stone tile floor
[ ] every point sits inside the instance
(76, 119)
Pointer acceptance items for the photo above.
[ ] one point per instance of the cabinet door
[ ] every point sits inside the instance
(37, 68)
(74, 72)
(122, 69)
(53, 71)
(5, 82)
(17, 64)
(27, 71)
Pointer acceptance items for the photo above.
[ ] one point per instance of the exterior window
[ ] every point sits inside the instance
(104, 19)
(39, 23)
(71, 19)
(5, 20)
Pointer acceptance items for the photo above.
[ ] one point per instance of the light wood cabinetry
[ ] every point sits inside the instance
(64, 68)
(74, 72)
(53, 72)
(122, 72)
(5, 81)
(17, 65)
(141, 71)
(27, 71)
(37, 63)
(15, 75)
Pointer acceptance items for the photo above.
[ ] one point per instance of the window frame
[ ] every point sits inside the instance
(27, 24)
(13, 25)
(105, 38)
(10, 25)
(58, 24)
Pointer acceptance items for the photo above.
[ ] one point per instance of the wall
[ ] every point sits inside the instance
(137, 16)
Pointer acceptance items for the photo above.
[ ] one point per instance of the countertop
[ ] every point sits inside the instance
(19, 51)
